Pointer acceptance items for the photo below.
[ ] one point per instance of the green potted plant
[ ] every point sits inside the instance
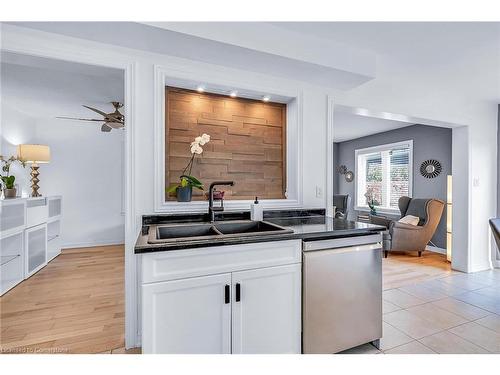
(8, 180)
(184, 188)
(372, 203)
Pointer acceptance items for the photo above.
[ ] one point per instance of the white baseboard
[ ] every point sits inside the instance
(76, 245)
(436, 249)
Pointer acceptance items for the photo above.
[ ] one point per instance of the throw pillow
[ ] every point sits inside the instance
(409, 219)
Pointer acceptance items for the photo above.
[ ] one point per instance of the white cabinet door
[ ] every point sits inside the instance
(267, 310)
(35, 249)
(187, 316)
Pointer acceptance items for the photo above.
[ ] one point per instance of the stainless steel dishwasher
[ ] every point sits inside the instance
(342, 293)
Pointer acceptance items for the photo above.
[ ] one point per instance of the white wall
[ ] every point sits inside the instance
(86, 168)
(16, 128)
(397, 94)
(86, 165)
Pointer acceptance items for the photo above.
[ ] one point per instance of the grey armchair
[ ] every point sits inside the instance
(495, 228)
(406, 237)
(342, 203)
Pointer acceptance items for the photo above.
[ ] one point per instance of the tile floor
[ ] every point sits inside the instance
(454, 314)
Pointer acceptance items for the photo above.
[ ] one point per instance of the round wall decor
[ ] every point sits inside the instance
(349, 176)
(430, 168)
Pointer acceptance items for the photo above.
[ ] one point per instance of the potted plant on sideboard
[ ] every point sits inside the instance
(8, 180)
(184, 188)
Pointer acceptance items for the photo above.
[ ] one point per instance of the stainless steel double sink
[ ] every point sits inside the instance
(164, 233)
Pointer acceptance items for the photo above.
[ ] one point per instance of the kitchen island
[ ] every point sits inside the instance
(225, 292)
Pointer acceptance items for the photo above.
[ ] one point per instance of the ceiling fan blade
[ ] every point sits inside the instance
(105, 128)
(114, 125)
(79, 119)
(96, 110)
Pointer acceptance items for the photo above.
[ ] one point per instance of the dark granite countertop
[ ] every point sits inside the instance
(307, 225)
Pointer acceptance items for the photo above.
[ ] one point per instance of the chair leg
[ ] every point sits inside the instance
(419, 253)
(386, 253)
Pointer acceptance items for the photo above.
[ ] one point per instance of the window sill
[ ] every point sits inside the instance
(198, 206)
(388, 211)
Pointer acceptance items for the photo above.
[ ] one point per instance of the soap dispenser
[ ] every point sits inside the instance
(256, 211)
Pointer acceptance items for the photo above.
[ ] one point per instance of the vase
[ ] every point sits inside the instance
(184, 194)
(10, 193)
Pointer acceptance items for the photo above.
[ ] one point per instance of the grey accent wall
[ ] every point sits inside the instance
(336, 175)
(498, 164)
(429, 142)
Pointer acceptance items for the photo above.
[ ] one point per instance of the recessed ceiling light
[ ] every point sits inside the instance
(200, 88)
(233, 94)
(266, 98)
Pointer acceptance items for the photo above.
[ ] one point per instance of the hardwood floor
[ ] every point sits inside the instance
(76, 303)
(400, 269)
(73, 305)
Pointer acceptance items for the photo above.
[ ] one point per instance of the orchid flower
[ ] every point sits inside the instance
(186, 178)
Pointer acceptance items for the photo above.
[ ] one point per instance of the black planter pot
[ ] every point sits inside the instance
(184, 194)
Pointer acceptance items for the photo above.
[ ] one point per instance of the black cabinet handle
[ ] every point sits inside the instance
(226, 294)
(238, 292)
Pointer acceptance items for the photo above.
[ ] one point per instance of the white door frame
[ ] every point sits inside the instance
(461, 255)
(22, 41)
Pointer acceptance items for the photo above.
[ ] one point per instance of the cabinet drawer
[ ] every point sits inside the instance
(12, 215)
(53, 247)
(11, 261)
(54, 207)
(36, 213)
(11, 272)
(177, 264)
(35, 249)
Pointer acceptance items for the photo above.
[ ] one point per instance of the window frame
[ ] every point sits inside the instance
(380, 148)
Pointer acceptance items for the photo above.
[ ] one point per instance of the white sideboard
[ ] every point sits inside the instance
(30, 231)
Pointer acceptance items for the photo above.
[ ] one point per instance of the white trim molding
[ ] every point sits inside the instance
(329, 154)
(78, 245)
(379, 148)
(48, 45)
(436, 249)
(173, 75)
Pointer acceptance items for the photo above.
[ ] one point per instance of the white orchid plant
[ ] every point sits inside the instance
(186, 179)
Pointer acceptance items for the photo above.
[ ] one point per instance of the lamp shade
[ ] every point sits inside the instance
(36, 154)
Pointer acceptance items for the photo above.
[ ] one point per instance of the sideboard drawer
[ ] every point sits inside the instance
(12, 215)
(36, 212)
(178, 264)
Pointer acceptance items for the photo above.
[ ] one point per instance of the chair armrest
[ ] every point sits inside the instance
(398, 225)
(407, 237)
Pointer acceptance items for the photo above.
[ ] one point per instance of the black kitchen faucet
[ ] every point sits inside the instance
(211, 208)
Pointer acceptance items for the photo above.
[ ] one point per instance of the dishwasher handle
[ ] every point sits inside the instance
(342, 242)
(341, 250)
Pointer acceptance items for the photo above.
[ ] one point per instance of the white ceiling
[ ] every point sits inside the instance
(347, 126)
(257, 47)
(462, 57)
(465, 55)
(46, 88)
(412, 42)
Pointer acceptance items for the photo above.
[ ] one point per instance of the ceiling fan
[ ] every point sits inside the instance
(112, 120)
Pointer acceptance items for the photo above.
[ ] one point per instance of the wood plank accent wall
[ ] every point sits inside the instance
(247, 143)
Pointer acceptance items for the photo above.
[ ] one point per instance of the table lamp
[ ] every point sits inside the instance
(34, 154)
